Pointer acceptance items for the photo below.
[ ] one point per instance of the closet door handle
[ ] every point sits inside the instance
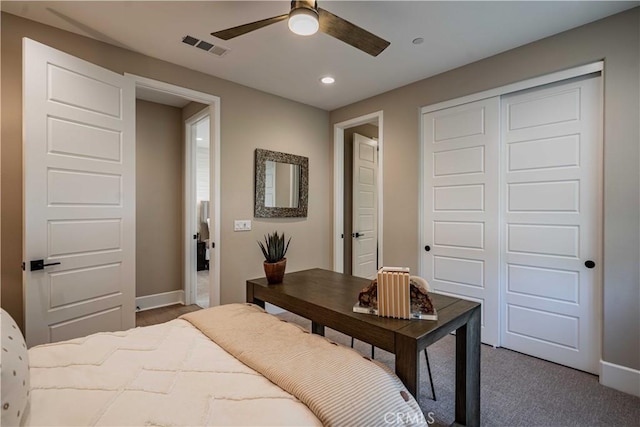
(427, 248)
(589, 264)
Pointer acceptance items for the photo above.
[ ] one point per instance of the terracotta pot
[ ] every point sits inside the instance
(275, 271)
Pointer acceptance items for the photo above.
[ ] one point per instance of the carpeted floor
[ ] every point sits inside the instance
(516, 390)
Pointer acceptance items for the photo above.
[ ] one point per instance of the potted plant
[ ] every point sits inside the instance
(274, 250)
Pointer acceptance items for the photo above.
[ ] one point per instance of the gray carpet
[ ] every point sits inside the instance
(516, 390)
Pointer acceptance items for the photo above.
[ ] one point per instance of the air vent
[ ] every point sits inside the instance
(218, 50)
(204, 45)
(190, 40)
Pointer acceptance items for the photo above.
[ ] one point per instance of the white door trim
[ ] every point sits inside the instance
(338, 185)
(518, 86)
(214, 207)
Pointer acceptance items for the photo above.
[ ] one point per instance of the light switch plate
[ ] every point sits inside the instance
(242, 225)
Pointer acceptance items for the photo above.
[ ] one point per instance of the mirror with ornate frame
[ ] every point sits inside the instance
(281, 185)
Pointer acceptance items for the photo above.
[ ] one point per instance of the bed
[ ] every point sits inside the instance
(229, 365)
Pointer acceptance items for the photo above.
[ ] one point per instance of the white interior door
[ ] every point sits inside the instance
(552, 171)
(461, 256)
(365, 207)
(79, 196)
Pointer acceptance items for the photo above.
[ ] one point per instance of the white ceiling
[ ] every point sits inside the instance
(275, 60)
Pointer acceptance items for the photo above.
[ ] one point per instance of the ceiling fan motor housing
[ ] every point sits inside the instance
(306, 4)
(304, 18)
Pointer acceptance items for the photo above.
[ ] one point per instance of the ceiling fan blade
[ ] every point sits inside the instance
(230, 33)
(351, 34)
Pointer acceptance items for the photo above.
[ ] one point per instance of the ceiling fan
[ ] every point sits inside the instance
(306, 18)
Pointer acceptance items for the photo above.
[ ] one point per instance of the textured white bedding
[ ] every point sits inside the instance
(167, 374)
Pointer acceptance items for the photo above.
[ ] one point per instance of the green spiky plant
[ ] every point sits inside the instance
(273, 247)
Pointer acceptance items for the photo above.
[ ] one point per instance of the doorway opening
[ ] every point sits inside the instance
(197, 137)
(201, 189)
(358, 177)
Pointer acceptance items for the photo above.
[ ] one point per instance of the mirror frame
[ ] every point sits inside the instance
(262, 211)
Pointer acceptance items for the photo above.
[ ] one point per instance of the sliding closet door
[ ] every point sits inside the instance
(460, 223)
(552, 215)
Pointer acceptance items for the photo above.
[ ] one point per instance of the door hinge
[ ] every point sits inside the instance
(23, 266)
(213, 245)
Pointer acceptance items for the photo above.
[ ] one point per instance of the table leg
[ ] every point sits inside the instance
(317, 328)
(407, 363)
(251, 299)
(468, 371)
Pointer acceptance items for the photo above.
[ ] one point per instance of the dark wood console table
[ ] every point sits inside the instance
(326, 298)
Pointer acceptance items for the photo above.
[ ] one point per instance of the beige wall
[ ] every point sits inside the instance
(191, 109)
(616, 40)
(370, 131)
(250, 119)
(159, 160)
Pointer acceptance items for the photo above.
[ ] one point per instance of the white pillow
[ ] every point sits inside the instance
(15, 372)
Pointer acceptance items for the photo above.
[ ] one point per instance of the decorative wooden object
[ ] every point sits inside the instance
(394, 293)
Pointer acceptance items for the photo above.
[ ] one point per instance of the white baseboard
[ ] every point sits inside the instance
(164, 299)
(620, 377)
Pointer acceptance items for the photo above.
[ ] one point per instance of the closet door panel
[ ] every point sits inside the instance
(552, 214)
(461, 205)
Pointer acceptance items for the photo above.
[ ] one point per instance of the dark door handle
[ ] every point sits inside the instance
(39, 264)
(589, 264)
(356, 234)
(427, 248)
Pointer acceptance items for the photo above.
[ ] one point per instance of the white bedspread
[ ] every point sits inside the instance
(167, 374)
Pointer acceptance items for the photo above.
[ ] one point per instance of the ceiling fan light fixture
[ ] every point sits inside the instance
(303, 21)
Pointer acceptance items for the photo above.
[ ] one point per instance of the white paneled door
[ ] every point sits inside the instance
(365, 207)
(552, 215)
(79, 197)
(460, 223)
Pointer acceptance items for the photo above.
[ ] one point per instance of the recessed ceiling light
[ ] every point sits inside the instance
(327, 80)
(418, 40)
(198, 139)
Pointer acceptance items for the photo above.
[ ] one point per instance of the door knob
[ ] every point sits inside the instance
(589, 264)
(427, 248)
(39, 264)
